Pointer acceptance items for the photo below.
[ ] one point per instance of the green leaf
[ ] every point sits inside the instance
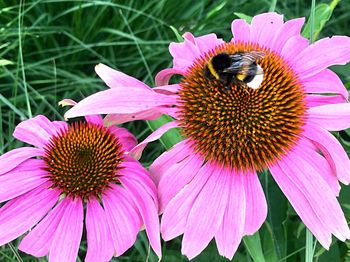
(253, 245)
(277, 215)
(171, 137)
(179, 38)
(4, 62)
(323, 13)
(247, 18)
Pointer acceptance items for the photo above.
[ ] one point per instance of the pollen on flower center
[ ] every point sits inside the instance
(83, 160)
(238, 126)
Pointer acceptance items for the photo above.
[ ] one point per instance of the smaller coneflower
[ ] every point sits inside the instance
(83, 164)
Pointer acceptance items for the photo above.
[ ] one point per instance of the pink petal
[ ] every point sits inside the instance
(231, 230)
(186, 53)
(310, 153)
(177, 177)
(119, 101)
(20, 214)
(325, 82)
(286, 31)
(322, 54)
(99, 241)
(66, 242)
(133, 170)
(256, 207)
(334, 117)
(136, 152)
(318, 194)
(127, 140)
(117, 79)
(25, 177)
(94, 119)
(206, 215)
(13, 158)
(175, 215)
(293, 47)
(264, 27)
(331, 149)
(123, 219)
(319, 100)
(163, 77)
(37, 131)
(176, 154)
(117, 119)
(39, 240)
(301, 205)
(148, 211)
(167, 89)
(240, 31)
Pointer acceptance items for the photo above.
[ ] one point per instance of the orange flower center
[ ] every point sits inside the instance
(83, 160)
(235, 125)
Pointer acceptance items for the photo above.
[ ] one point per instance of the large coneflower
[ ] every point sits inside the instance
(233, 126)
(70, 167)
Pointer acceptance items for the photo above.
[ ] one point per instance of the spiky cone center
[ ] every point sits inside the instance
(243, 128)
(83, 160)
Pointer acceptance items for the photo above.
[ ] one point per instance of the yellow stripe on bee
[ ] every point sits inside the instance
(240, 77)
(212, 70)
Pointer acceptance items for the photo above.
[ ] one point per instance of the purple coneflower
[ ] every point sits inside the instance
(235, 123)
(83, 164)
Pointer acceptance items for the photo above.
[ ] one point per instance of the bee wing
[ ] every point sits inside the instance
(245, 70)
(250, 56)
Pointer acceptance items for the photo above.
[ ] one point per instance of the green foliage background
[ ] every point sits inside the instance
(48, 50)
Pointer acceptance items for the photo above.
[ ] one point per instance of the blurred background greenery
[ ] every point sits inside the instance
(48, 50)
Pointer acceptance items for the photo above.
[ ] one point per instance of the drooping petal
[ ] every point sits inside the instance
(122, 217)
(117, 79)
(176, 154)
(136, 152)
(301, 205)
(322, 54)
(127, 140)
(25, 177)
(147, 209)
(39, 240)
(315, 197)
(119, 101)
(334, 117)
(310, 153)
(232, 227)
(117, 119)
(163, 77)
(331, 149)
(20, 214)
(256, 207)
(133, 170)
(319, 100)
(325, 82)
(286, 31)
(240, 31)
(264, 27)
(13, 158)
(37, 131)
(176, 177)
(175, 215)
(99, 241)
(66, 242)
(206, 215)
(167, 89)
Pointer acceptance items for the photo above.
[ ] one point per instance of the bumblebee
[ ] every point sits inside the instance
(239, 68)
